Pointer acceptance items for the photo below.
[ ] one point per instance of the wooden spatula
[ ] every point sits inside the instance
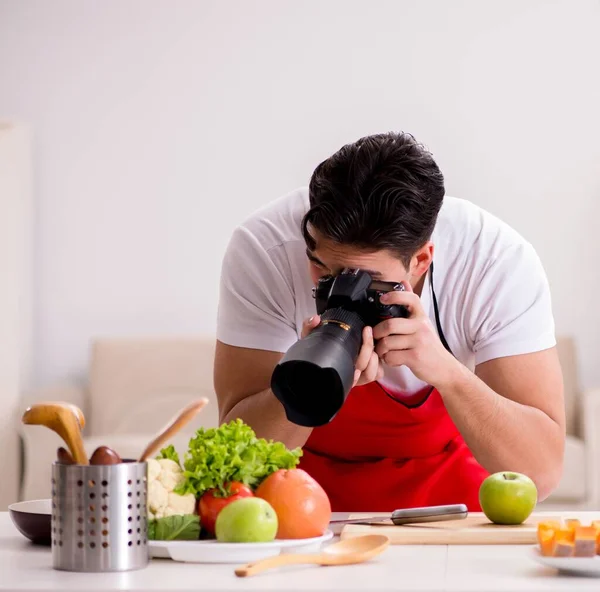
(176, 424)
(65, 419)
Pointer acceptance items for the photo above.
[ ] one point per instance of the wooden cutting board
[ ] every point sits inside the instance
(475, 529)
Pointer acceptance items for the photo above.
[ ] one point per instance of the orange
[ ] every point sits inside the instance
(303, 508)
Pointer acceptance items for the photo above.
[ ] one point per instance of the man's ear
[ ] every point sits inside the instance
(421, 260)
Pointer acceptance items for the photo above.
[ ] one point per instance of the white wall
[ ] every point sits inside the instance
(149, 114)
(15, 294)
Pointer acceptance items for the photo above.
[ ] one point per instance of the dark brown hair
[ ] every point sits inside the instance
(383, 192)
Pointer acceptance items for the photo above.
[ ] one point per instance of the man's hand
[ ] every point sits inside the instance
(413, 342)
(368, 367)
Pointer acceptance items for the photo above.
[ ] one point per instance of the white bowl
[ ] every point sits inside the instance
(33, 519)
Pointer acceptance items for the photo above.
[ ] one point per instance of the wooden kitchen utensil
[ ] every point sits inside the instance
(355, 550)
(103, 455)
(65, 419)
(476, 529)
(64, 456)
(181, 419)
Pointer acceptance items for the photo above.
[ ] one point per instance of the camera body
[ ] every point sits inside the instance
(355, 291)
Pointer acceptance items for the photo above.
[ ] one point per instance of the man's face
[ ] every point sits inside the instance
(330, 257)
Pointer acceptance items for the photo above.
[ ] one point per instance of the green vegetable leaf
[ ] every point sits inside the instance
(182, 527)
(232, 452)
(170, 453)
(151, 530)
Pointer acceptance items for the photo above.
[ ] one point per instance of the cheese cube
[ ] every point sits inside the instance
(564, 543)
(585, 541)
(596, 525)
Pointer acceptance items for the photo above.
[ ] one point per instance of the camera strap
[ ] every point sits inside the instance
(437, 313)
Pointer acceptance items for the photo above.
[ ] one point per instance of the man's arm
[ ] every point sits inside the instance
(242, 377)
(511, 415)
(510, 411)
(255, 324)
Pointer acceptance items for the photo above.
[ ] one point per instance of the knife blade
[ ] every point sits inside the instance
(413, 515)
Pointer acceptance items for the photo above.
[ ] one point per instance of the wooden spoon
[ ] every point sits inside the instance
(64, 456)
(65, 419)
(354, 550)
(103, 455)
(181, 419)
(78, 413)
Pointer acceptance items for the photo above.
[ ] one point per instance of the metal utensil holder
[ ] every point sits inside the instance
(99, 517)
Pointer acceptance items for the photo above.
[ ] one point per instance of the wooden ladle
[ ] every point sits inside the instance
(354, 550)
(166, 433)
(65, 419)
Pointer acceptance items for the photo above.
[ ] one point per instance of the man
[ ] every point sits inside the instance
(468, 385)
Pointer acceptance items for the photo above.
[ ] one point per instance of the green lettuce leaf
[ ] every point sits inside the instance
(151, 530)
(182, 527)
(232, 452)
(170, 453)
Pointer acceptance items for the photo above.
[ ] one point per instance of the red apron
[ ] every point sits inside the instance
(379, 455)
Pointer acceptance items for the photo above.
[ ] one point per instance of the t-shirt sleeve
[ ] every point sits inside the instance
(511, 310)
(256, 301)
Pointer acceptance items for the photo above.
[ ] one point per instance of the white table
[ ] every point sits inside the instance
(414, 568)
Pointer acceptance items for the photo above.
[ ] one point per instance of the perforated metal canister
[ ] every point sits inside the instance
(99, 517)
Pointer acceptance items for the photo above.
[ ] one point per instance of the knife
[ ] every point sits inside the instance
(414, 515)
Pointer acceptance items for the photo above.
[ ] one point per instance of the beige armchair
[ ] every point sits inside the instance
(136, 385)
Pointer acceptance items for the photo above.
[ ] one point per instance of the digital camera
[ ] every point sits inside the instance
(314, 377)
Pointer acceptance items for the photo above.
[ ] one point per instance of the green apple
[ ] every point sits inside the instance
(508, 497)
(247, 520)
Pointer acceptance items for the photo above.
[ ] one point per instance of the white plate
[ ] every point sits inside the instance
(212, 551)
(583, 566)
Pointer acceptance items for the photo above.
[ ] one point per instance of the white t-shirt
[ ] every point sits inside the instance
(492, 291)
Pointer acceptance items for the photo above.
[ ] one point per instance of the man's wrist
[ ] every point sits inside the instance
(454, 378)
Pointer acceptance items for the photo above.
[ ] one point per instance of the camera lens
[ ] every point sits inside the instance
(311, 393)
(316, 374)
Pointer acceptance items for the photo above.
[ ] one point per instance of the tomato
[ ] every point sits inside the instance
(303, 508)
(210, 504)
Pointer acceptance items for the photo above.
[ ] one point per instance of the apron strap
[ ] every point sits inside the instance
(437, 314)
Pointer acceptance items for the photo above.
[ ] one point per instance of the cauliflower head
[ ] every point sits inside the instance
(163, 476)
